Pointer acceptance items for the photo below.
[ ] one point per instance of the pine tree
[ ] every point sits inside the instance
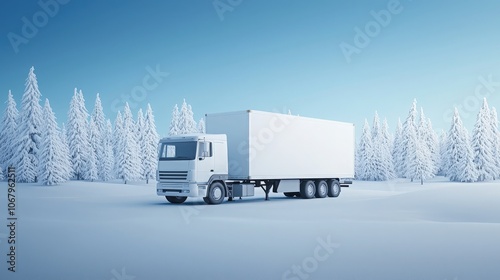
(77, 136)
(432, 141)
(420, 162)
(187, 123)
(443, 144)
(99, 122)
(1, 175)
(409, 139)
(65, 156)
(128, 156)
(8, 133)
(118, 135)
(387, 155)
(397, 150)
(140, 140)
(51, 171)
(150, 146)
(460, 163)
(109, 157)
(364, 155)
(95, 142)
(201, 126)
(29, 130)
(482, 142)
(382, 159)
(496, 141)
(174, 123)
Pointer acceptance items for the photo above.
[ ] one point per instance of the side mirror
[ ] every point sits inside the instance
(204, 150)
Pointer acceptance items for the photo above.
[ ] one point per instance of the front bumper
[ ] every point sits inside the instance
(181, 189)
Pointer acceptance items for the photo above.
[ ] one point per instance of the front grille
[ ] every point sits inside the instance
(173, 175)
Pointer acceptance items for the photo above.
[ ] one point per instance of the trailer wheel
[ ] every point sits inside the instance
(216, 194)
(176, 199)
(334, 188)
(307, 189)
(321, 189)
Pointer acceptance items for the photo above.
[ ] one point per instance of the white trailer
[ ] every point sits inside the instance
(242, 150)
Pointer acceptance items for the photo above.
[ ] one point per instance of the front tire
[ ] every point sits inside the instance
(334, 188)
(176, 199)
(216, 194)
(307, 189)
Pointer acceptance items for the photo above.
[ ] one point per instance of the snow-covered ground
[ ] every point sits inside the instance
(374, 230)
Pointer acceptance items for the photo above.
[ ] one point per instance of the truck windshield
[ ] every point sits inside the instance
(178, 150)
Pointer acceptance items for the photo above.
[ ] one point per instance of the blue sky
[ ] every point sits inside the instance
(264, 55)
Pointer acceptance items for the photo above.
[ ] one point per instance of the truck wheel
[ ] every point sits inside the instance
(176, 199)
(334, 188)
(307, 189)
(321, 189)
(216, 193)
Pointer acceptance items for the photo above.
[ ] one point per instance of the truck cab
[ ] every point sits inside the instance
(188, 164)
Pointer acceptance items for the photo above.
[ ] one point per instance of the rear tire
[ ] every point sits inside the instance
(216, 193)
(307, 189)
(321, 189)
(176, 199)
(334, 188)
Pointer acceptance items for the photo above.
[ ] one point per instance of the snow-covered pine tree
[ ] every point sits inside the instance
(99, 122)
(364, 155)
(128, 157)
(51, 168)
(1, 175)
(482, 143)
(397, 150)
(174, 123)
(434, 147)
(118, 135)
(95, 145)
(202, 126)
(29, 130)
(387, 146)
(420, 161)
(150, 146)
(140, 129)
(443, 154)
(109, 157)
(8, 133)
(187, 124)
(65, 156)
(408, 142)
(382, 159)
(460, 163)
(77, 136)
(192, 125)
(496, 141)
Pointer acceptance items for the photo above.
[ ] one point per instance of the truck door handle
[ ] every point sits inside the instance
(211, 170)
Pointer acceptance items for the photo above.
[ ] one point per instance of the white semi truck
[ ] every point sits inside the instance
(244, 150)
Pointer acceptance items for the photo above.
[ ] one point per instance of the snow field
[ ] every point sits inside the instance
(374, 230)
